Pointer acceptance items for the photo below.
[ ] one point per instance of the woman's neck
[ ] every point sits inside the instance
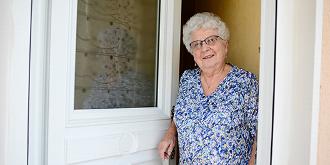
(211, 78)
(214, 72)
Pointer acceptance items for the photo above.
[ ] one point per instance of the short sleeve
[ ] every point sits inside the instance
(252, 107)
(180, 94)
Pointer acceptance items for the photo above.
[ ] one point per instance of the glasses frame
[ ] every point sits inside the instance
(210, 41)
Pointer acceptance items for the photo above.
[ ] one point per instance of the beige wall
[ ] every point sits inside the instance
(243, 20)
(324, 115)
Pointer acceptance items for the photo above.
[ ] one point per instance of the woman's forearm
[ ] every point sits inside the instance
(253, 153)
(172, 128)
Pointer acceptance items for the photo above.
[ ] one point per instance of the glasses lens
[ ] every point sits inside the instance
(195, 45)
(211, 40)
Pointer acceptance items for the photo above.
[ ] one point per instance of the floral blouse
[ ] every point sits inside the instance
(219, 128)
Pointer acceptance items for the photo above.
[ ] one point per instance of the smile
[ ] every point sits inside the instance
(208, 56)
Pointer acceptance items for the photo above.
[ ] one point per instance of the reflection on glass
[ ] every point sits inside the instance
(116, 54)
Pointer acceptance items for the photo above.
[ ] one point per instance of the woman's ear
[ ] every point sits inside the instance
(226, 45)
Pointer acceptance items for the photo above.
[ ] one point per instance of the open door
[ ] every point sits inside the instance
(113, 78)
(117, 135)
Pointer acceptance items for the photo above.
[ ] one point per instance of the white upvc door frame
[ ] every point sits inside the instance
(297, 85)
(316, 81)
(38, 87)
(15, 37)
(39, 47)
(268, 31)
(266, 80)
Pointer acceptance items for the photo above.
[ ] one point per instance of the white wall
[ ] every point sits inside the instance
(294, 82)
(5, 44)
(14, 69)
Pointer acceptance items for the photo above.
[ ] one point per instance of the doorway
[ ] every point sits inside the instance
(57, 7)
(252, 26)
(243, 19)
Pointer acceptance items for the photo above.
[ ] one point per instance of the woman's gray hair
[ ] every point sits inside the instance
(204, 20)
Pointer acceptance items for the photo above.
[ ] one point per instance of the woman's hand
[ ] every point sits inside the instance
(253, 153)
(168, 142)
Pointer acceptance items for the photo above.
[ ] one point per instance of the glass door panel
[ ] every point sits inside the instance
(116, 54)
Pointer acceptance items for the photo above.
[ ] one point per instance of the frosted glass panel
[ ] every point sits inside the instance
(116, 54)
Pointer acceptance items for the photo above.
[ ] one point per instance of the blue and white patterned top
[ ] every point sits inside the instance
(219, 128)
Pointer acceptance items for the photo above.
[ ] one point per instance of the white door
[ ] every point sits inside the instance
(103, 107)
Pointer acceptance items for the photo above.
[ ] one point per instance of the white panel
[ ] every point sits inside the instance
(38, 70)
(113, 141)
(90, 148)
(267, 51)
(16, 25)
(57, 98)
(137, 158)
(294, 82)
(84, 149)
(316, 81)
(6, 40)
(112, 116)
(151, 162)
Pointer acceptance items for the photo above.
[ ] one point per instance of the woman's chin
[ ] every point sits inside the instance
(208, 65)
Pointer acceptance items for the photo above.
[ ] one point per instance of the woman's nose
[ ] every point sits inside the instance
(205, 47)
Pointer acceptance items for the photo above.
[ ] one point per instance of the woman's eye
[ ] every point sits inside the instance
(210, 40)
(196, 45)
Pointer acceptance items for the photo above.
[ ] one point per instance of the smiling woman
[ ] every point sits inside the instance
(216, 110)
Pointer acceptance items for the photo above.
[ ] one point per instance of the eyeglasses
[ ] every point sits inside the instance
(198, 44)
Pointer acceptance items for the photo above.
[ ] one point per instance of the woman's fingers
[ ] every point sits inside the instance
(162, 148)
(167, 144)
(165, 148)
(171, 146)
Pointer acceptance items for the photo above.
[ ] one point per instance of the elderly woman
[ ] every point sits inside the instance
(215, 115)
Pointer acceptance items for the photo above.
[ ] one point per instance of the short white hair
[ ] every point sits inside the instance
(204, 20)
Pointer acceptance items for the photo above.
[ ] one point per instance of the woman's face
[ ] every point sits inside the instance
(212, 55)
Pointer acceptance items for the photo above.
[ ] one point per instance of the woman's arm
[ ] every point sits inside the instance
(167, 144)
(253, 153)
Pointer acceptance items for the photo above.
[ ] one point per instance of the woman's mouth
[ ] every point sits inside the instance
(208, 56)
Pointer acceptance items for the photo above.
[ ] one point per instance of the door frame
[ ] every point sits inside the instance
(316, 81)
(14, 69)
(38, 88)
(40, 63)
(39, 92)
(266, 80)
(297, 84)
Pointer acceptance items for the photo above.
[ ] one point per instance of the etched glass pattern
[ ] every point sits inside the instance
(116, 54)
